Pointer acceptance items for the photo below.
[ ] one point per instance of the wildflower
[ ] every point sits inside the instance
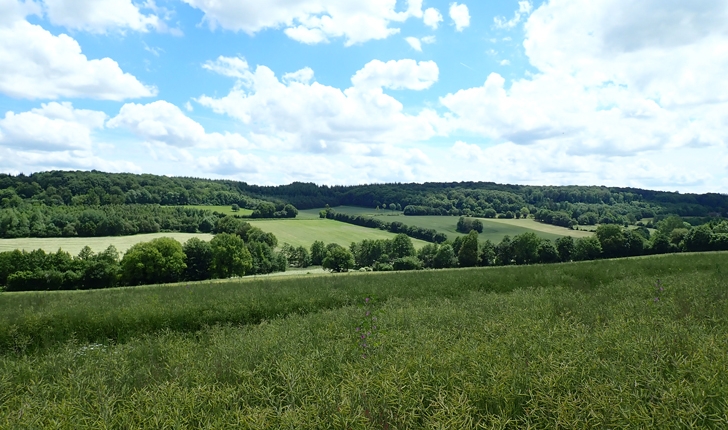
(357, 329)
(657, 299)
(374, 328)
(374, 318)
(366, 300)
(363, 336)
(368, 313)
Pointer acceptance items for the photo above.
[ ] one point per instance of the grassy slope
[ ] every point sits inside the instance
(571, 346)
(74, 244)
(493, 229)
(227, 210)
(303, 232)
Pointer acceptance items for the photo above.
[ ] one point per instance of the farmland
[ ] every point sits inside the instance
(303, 232)
(631, 343)
(74, 244)
(227, 210)
(493, 229)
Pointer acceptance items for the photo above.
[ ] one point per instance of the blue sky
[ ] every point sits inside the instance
(558, 92)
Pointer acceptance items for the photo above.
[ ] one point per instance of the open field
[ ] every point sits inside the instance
(580, 345)
(228, 210)
(493, 229)
(74, 244)
(304, 232)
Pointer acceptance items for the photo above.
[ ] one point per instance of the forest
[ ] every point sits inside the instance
(78, 203)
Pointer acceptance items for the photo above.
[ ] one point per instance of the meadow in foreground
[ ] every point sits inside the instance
(616, 344)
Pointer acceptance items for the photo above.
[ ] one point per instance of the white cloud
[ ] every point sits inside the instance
(623, 95)
(99, 16)
(36, 64)
(396, 75)
(460, 16)
(12, 11)
(505, 63)
(310, 21)
(432, 18)
(230, 162)
(53, 127)
(414, 43)
(15, 161)
(524, 8)
(165, 123)
(317, 118)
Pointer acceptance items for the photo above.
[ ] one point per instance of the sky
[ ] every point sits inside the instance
(556, 92)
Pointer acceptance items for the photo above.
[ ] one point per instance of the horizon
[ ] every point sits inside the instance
(342, 93)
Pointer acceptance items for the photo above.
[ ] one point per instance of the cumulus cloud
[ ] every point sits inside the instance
(230, 162)
(524, 8)
(310, 21)
(36, 64)
(18, 161)
(306, 115)
(53, 127)
(100, 16)
(397, 75)
(432, 18)
(460, 16)
(165, 123)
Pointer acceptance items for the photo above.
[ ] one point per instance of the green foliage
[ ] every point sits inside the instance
(468, 252)
(525, 248)
(338, 259)
(465, 225)
(318, 253)
(572, 346)
(159, 261)
(198, 258)
(566, 248)
(445, 257)
(587, 248)
(230, 257)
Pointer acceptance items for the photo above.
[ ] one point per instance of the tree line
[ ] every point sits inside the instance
(237, 249)
(426, 234)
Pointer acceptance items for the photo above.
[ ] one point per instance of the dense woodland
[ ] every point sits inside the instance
(94, 203)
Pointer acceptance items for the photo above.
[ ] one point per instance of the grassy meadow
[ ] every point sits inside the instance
(630, 343)
(74, 244)
(227, 210)
(304, 232)
(493, 229)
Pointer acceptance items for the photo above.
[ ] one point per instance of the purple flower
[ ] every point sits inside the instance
(363, 336)
(369, 333)
(374, 328)
(657, 299)
(357, 329)
(367, 314)
(366, 300)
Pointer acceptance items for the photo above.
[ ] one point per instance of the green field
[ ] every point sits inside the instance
(227, 210)
(74, 244)
(580, 345)
(493, 229)
(303, 232)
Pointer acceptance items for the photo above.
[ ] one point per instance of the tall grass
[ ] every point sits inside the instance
(29, 321)
(566, 346)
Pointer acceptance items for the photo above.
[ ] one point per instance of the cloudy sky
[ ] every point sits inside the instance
(599, 92)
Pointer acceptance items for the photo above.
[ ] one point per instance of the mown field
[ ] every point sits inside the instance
(632, 343)
(74, 244)
(304, 232)
(493, 229)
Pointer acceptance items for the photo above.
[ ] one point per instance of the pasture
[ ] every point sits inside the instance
(304, 232)
(227, 210)
(493, 229)
(632, 343)
(73, 245)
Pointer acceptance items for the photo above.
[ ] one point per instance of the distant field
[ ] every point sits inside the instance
(493, 229)
(74, 244)
(303, 232)
(222, 209)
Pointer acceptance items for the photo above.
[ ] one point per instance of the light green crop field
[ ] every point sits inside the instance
(493, 229)
(304, 232)
(73, 245)
(228, 210)
(621, 344)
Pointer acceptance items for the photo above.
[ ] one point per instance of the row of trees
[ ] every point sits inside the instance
(465, 225)
(237, 249)
(426, 234)
(609, 241)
